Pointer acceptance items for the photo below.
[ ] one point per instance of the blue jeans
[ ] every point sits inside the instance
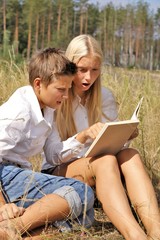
(24, 187)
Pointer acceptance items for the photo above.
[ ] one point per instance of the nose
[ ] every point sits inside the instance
(65, 94)
(88, 74)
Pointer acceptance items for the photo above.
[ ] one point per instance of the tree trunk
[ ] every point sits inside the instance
(37, 32)
(4, 28)
(29, 37)
(59, 20)
(137, 45)
(105, 35)
(42, 29)
(4, 16)
(67, 22)
(49, 29)
(86, 22)
(151, 58)
(16, 33)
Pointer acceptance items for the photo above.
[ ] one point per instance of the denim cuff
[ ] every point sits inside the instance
(73, 199)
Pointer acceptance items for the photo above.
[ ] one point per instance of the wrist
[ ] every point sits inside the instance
(2, 199)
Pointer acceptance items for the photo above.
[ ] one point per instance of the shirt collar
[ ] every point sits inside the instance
(35, 107)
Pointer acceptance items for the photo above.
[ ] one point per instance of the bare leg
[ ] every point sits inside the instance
(48, 209)
(140, 191)
(109, 190)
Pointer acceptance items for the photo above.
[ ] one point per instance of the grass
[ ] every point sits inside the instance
(128, 87)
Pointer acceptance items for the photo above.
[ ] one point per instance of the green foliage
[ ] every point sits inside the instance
(129, 36)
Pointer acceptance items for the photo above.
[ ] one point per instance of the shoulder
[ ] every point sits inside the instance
(17, 106)
(109, 105)
(107, 94)
(20, 96)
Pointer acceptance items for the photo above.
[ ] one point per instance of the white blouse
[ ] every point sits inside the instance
(57, 151)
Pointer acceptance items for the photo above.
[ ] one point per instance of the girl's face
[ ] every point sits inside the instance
(89, 69)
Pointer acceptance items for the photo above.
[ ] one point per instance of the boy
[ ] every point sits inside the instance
(25, 124)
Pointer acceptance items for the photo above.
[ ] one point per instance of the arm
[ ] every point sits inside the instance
(109, 106)
(58, 152)
(2, 200)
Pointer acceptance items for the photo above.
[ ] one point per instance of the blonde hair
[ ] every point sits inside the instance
(79, 47)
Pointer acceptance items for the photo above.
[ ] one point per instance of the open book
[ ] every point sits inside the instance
(113, 136)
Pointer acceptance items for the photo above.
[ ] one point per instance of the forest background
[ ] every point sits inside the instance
(129, 35)
(130, 38)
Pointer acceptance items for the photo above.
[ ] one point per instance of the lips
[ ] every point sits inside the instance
(86, 84)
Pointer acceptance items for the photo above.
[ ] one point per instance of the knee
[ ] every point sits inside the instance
(107, 164)
(130, 159)
(128, 154)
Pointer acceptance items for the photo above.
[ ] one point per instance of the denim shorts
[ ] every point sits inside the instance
(24, 187)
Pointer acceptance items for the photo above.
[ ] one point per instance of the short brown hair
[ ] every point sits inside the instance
(49, 63)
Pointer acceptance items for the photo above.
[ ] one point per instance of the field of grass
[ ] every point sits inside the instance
(128, 87)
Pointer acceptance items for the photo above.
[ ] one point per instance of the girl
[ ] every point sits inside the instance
(82, 116)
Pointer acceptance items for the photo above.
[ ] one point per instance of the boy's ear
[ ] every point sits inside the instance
(37, 83)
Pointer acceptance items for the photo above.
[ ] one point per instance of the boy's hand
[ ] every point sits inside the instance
(90, 133)
(10, 211)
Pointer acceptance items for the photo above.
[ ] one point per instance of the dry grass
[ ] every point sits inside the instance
(128, 87)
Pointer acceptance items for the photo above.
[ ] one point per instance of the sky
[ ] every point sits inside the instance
(154, 4)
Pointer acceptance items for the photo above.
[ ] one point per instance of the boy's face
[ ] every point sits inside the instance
(53, 94)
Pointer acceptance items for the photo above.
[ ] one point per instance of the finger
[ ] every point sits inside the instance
(21, 211)
(7, 214)
(92, 132)
(17, 211)
(100, 125)
(1, 217)
(8, 211)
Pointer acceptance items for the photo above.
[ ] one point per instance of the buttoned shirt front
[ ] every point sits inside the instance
(23, 128)
(57, 151)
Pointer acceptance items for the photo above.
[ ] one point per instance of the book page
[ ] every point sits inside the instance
(136, 112)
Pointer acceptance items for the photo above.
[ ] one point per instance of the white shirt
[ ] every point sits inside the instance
(23, 129)
(57, 151)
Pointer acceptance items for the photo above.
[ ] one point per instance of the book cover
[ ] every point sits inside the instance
(114, 135)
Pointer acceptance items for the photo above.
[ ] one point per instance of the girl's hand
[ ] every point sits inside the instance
(90, 133)
(10, 211)
(134, 134)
